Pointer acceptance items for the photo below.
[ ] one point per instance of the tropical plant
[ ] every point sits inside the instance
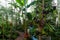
(40, 22)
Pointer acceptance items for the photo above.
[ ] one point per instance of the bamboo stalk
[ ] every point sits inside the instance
(11, 27)
(25, 21)
(11, 23)
(40, 29)
(3, 28)
(25, 28)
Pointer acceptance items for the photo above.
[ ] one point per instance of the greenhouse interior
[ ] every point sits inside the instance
(29, 20)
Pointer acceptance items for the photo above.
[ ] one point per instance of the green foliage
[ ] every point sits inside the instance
(21, 2)
(48, 12)
(29, 16)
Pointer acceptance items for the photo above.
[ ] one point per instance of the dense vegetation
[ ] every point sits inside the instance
(16, 22)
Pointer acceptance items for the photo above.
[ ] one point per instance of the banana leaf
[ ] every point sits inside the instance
(21, 2)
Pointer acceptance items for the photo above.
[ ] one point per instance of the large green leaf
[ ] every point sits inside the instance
(21, 2)
(49, 27)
